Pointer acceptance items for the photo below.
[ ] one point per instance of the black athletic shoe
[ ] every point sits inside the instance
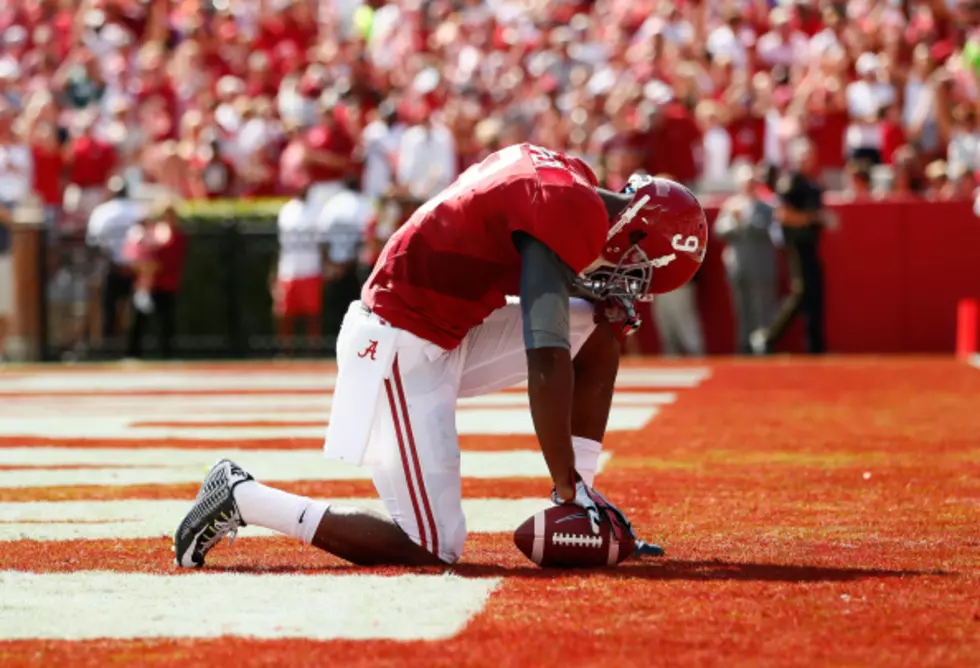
(213, 516)
(644, 549)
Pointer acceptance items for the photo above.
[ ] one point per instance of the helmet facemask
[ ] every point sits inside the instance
(618, 287)
(627, 280)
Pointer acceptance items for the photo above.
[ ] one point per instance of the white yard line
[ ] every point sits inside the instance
(100, 604)
(109, 380)
(134, 518)
(148, 466)
(243, 405)
(126, 425)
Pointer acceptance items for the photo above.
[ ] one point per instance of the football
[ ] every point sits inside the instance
(562, 537)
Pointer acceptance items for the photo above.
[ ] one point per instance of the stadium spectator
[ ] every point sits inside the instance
(380, 143)
(936, 180)
(341, 226)
(108, 227)
(16, 169)
(866, 97)
(918, 103)
(328, 152)
(297, 281)
(907, 173)
(6, 280)
(43, 134)
(210, 174)
(426, 156)
(156, 251)
(744, 223)
(89, 162)
(678, 321)
(859, 185)
(552, 80)
(784, 44)
(963, 151)
(716, 148)
(960, 186)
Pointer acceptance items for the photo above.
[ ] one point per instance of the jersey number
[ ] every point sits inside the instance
(483, 172)
(474, 176)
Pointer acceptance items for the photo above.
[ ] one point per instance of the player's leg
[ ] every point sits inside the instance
(359, 535)
(312, 306)
(494, 358)
(231, 498)
(494, 355)
(415, 466)
(415, 450)
(283, 314)
(596, 366)
(415, 453)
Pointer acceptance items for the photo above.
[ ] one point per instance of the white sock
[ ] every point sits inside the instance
(290, 514)
(587, 454)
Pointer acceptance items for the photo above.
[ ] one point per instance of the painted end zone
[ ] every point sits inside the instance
(127, 519)
(102, 604)
(140, 466)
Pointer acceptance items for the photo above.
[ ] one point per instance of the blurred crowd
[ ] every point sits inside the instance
(213, 98)
(205, 99)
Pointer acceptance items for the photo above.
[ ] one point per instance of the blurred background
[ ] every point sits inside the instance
(215, 178)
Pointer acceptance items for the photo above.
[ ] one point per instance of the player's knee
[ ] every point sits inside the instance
(451, 541)
(448, 544)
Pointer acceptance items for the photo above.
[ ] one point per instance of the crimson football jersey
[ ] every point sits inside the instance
(453, 263)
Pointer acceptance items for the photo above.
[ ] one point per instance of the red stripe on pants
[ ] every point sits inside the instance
(415, 455)
(405, 466)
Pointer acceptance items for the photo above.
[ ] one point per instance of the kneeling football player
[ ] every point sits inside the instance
(434, 324)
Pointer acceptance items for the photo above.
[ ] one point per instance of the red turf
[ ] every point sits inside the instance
(814, 513)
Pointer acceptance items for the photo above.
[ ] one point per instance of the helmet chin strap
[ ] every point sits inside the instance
(596, 264)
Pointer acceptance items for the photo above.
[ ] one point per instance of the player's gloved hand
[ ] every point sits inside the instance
(598, 509)
(621, 526)
(583, 499)
(620, 313)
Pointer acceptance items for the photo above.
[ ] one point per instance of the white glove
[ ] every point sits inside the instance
(597, 508)
(583, 499)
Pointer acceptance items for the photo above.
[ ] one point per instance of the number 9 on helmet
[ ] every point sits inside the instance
(655, 245)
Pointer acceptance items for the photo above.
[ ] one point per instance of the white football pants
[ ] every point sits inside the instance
(413, 444)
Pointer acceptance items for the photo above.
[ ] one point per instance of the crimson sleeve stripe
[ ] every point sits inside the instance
(396, 372)
(405, 467)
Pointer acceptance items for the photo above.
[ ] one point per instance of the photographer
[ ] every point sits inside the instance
(802, 215)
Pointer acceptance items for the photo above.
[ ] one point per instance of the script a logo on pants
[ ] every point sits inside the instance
(370, 350)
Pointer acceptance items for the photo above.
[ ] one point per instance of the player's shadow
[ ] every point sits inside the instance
(647, 569)
(674, 569)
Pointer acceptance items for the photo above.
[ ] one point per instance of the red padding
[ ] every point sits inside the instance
(967, 317)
